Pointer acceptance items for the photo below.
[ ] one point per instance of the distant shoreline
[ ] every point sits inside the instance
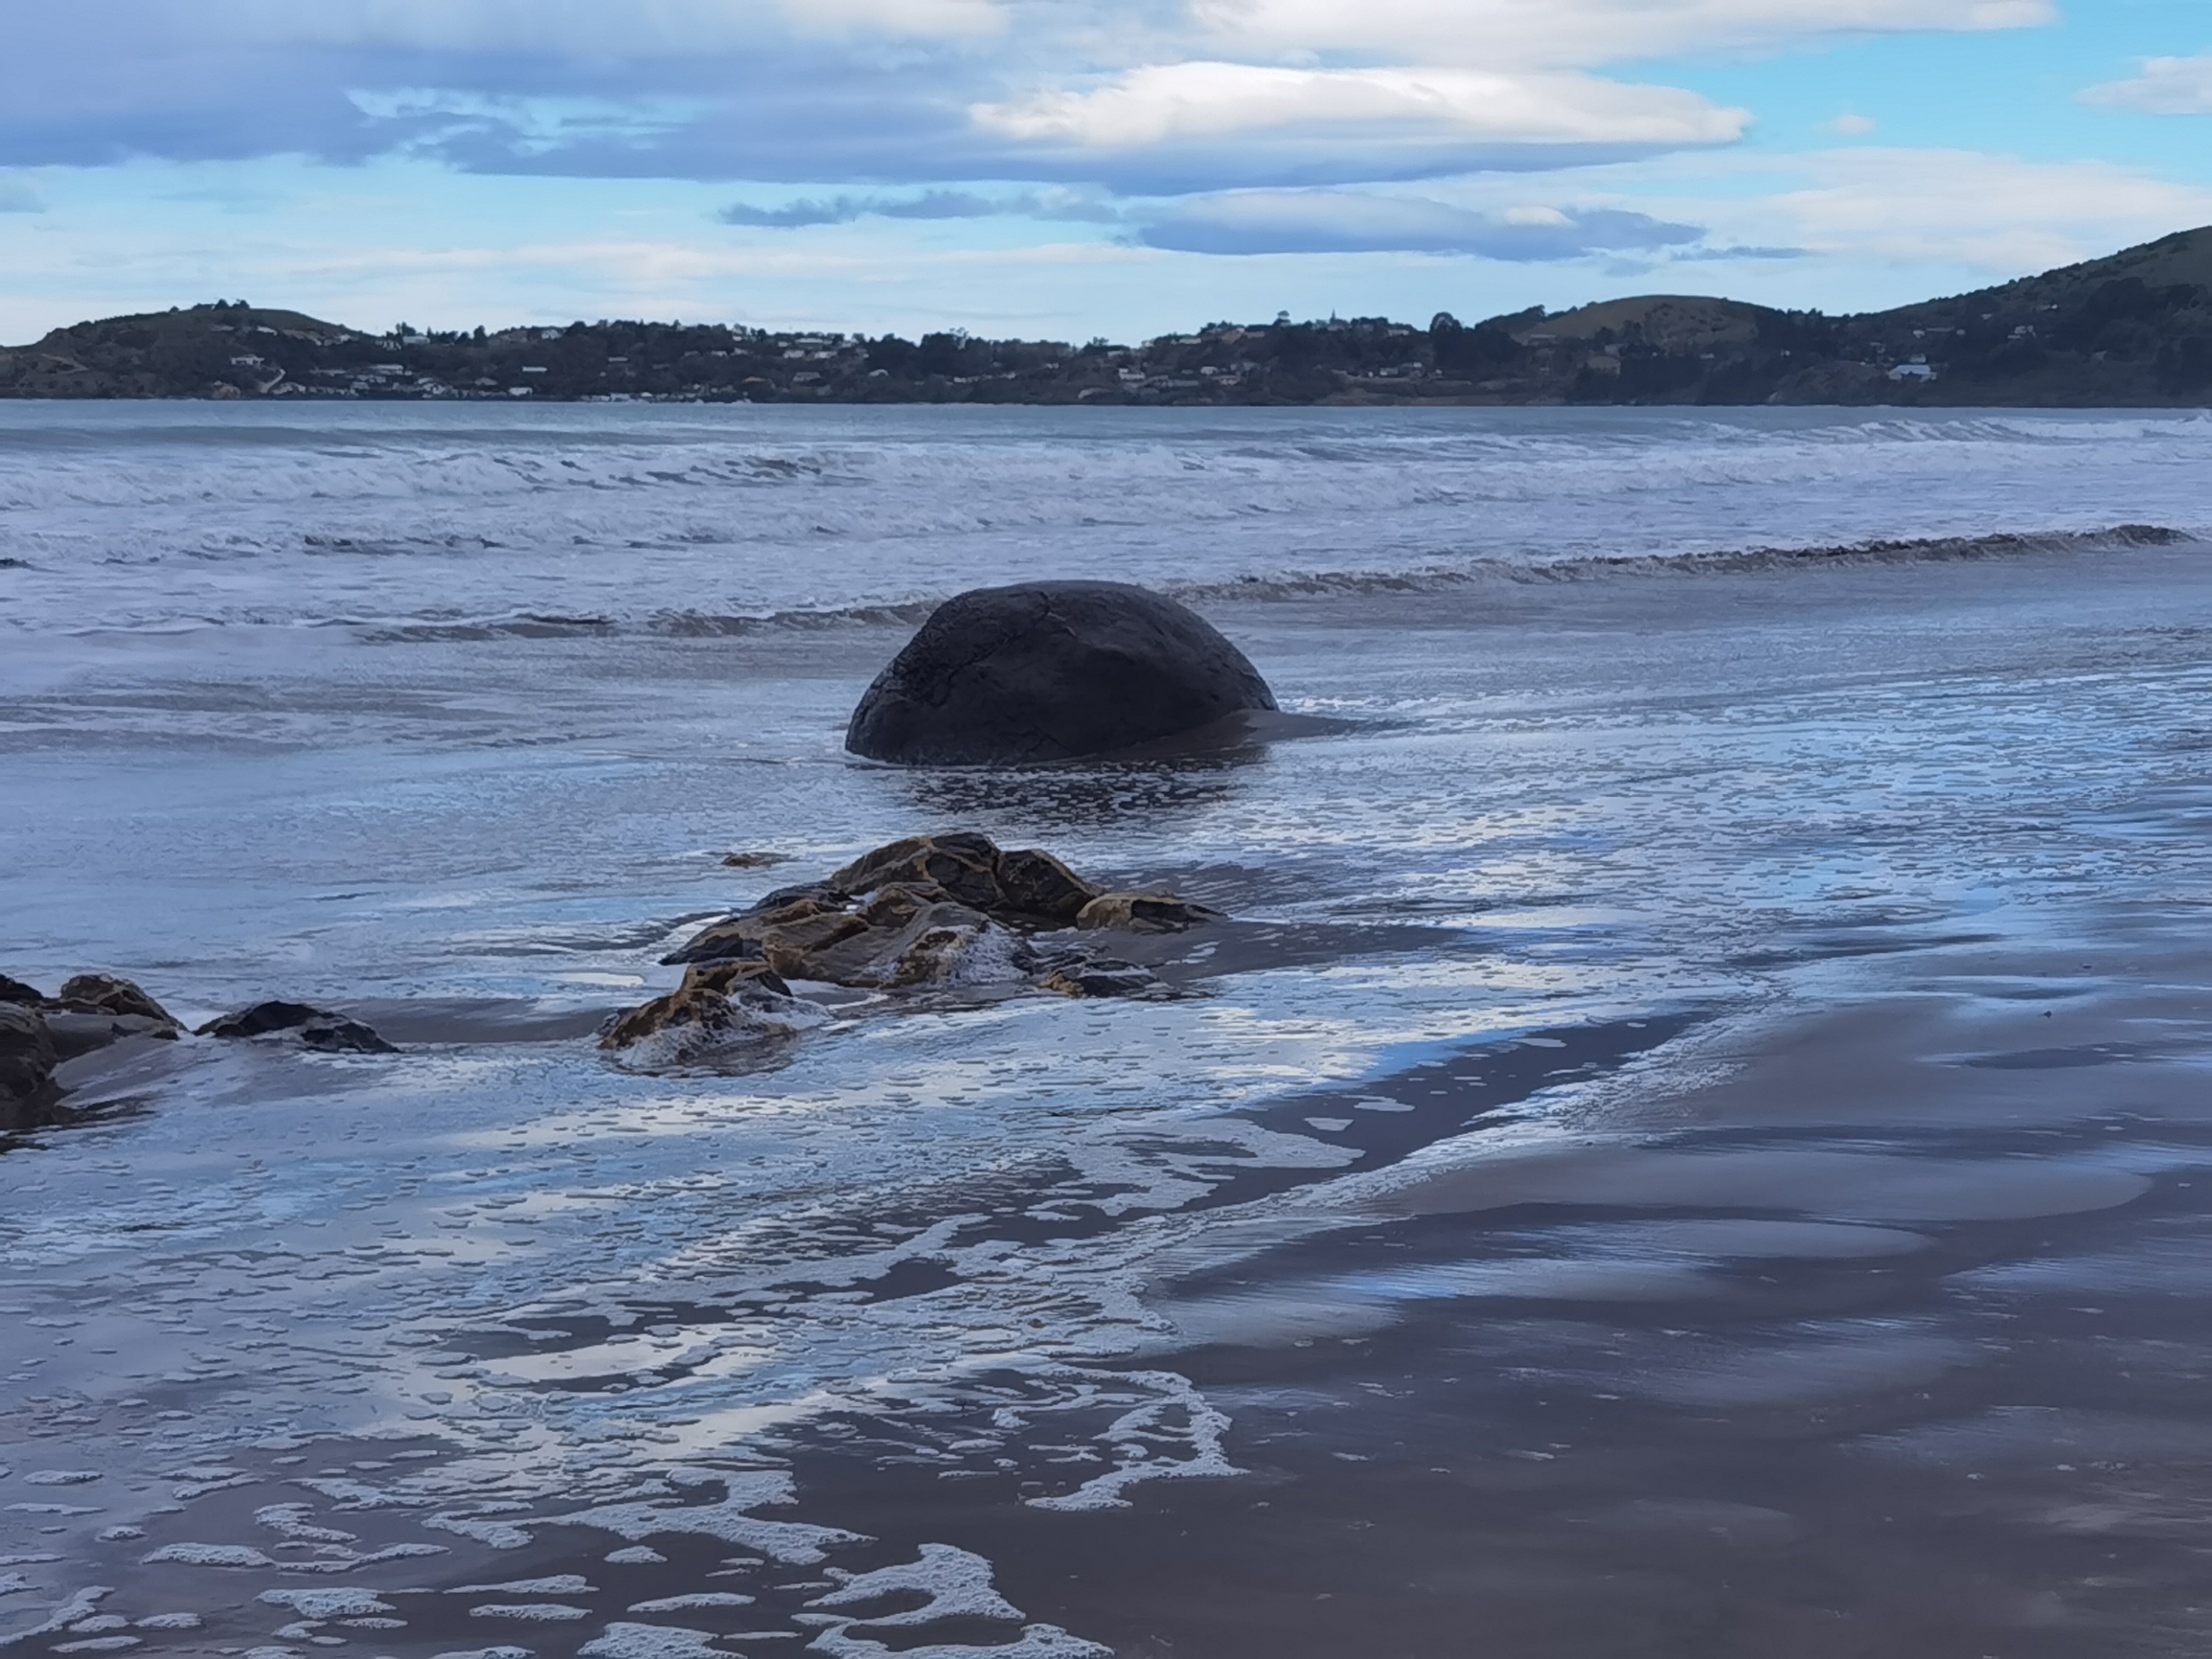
(2130, 331)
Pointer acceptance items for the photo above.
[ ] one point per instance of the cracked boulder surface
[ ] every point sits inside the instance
(1052, 671)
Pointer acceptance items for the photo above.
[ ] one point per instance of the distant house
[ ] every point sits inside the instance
(1919, 369)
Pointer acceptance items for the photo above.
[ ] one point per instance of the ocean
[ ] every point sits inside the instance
(1693, 1139)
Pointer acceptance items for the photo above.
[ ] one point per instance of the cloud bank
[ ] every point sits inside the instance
(1343, 221)
(1129, 96)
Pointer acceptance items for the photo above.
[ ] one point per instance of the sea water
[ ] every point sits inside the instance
(1720, 1002)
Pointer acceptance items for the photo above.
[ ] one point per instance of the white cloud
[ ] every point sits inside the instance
(1181, 102)
(1584, 32)
(829, 97)
(606, 30)
(2167, 86)
(532, 125)
(1852, 125)
(1317, 221)
(1943, 207)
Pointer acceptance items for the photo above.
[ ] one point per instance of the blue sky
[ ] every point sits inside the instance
(1071, 168)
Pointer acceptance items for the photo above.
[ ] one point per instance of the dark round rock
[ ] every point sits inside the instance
(310, 1027)
(1050, 670)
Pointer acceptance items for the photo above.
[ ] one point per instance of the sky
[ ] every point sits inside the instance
(1073, 168)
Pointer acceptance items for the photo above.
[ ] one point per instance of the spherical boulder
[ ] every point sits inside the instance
(1052, 671)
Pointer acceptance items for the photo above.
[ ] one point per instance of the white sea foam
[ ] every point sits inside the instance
(557, 1584)
(326, 1604)
(540, 1612)
(731, 1520)
(624, 1640)
(79, 1604)
(211, 1556)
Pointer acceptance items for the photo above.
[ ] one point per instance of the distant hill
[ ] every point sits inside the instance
(2130, 331)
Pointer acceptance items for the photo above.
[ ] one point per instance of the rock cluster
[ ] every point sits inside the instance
(38, 1034)
(946, 910)
(932, 911)
(1052, 671)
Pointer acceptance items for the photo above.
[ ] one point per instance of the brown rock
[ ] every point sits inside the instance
(712, 1005)
(970, 870)
(963, 865)
(1100, 978)
(105, 994)
(804, 917)
(907, 936)
(1144, 913)
(1035, 883)
(926, 911)
(754, 860)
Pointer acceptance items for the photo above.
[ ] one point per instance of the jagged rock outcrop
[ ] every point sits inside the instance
(913, 912)
(931, 911)
(105, 994)
(1052, 671)
(721, 1007)
(299, 1022)
(921, 911)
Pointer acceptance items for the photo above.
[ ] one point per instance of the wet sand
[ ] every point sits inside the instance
(1891, 1342)
(1887, 1339)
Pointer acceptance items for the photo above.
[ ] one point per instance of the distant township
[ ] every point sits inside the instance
(2134, 329)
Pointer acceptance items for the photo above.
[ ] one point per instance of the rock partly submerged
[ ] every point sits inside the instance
(913, 912)
(39, 1034)
(1052, 670)
(301, 1023)
(947, 912)
(719, 1007)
